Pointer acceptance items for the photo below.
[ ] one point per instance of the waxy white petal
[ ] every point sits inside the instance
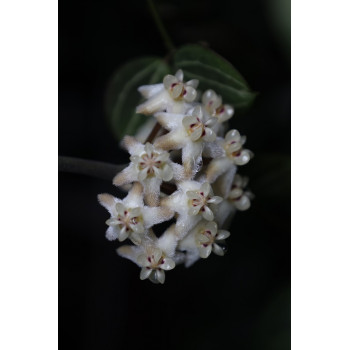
(143, 174)
(196, 134)
(243, 158)
(209, 136)
(205, 188)
(207, 214)
(142, 260)
(169, 80)
(223, 234)
(160, 276)
(188, 121)
(123, 234)
(243, 203)
(179, 75)
(167, 174)
(204, 252)
(145, 272)
(190, 94)
(218, 250)
(194, 83)
(232, 135)
(215, 200)
(192, 211)
(168, 264)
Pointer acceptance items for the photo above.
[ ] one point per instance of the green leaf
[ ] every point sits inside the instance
(122, 96)
(214, 72)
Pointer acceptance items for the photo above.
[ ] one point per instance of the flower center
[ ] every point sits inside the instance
(211, 238)
(229, 147)
(127, 220)
(200, 201)
(194, 127)
(150, 161)
(154, 264)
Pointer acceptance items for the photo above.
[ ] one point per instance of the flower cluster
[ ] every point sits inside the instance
(187, 172)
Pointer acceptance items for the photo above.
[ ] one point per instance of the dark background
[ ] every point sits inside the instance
(240, 301)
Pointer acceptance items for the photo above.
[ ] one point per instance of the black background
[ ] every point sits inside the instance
(240, 301)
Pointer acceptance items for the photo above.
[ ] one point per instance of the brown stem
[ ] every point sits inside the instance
(153, 133)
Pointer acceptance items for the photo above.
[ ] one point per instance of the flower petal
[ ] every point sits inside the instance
(120, 209)
(138, 228)
(215, 200)
(169, 80)
(193, 195)
(205, 188)
(212, 227)
(223, 234)
(204, 252)
(190, 94)
(167, 173)
(209, 135)
(123, 234)
(201, 238)
(243, 158)
(236, 193)
(113, 222)
(192, 211)
(142, 174)
(160, 274)
(196, 134)
(193, 82)
(179, 75)
(207, 214)
(188, 121)
(218, 250)
(243, 203)
(145, 272)
(157, 254)
(176, 90)
(232, 135)
(142, 260)
(168, 264)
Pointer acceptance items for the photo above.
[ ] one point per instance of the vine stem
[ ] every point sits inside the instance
(166, 38)
(100, 170)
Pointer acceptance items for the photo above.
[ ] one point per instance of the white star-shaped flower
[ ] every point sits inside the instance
(150, 166)
(202, 240)
(155, 256)
(232, 153)
(173, 95)
(192, 201)
(235, 198)
(189, 133)
(214, 107)
(130, 218)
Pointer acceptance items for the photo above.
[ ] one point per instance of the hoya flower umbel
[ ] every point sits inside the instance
(213, 105)
(208, 239)
(153, 262)
(152, 163)
(199, 201)
(177, 89)
(197, 128)
(238, 196)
